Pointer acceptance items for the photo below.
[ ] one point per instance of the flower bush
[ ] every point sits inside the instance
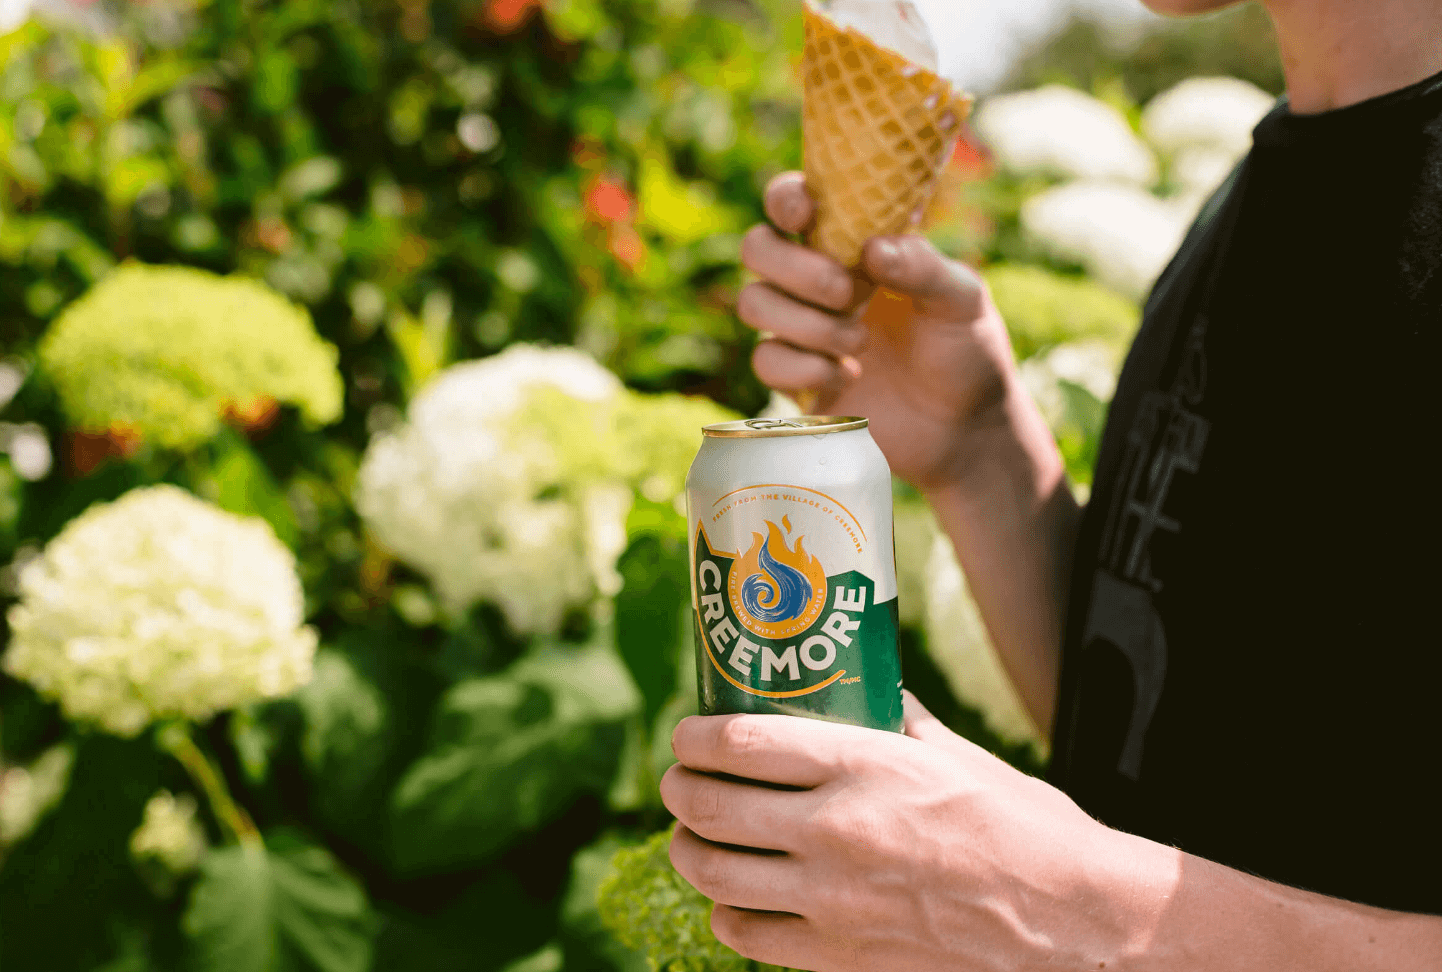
(512, 480)
(653, 909)
(180, 348)
(1060, 131)
(169, 843)
(159, 606)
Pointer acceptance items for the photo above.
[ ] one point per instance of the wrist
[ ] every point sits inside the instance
(1006, 444)
(1134, 881)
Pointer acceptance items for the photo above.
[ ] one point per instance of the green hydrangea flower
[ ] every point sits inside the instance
(1043, 309)
(651, 908)
(166, 351)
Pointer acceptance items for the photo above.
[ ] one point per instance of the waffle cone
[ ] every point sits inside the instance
(877, 131)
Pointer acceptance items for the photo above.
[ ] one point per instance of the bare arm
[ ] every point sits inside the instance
(928, 854)
(1192, 914)
(935, 375)
(1013, 520)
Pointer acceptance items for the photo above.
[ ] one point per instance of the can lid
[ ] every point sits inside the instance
(775, 428)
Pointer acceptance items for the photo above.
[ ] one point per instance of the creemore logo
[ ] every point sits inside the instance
(777, 589)
(773, 624)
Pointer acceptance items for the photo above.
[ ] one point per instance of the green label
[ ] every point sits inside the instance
(776, 634)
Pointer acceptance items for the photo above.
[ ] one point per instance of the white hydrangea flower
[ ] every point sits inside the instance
(12, 377)
(1061, 131)
(28, 793)
(605, 509)
(1122, 235)
(169, 834)
(957, 641)
(29, 449)
(13, 13)
(1200, 169)
(1217, 113)
(158, 606)
(460, 494)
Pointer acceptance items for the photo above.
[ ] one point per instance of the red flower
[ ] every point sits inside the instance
(88, 451)
(505, 16)
(253, 417)
(627, 246)
(971, 158)
(608, 200)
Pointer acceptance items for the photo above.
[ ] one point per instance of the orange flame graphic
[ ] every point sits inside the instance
(799, 560)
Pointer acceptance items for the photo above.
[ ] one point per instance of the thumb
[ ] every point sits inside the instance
(921, 724)
(912, 266)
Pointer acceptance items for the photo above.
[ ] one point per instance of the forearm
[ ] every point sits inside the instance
(1194, 915)
(1010, 513)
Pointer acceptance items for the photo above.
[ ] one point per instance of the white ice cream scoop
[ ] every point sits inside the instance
(893, 24)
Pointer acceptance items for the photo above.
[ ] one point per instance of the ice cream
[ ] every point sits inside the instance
(878, 122)
(894, 24)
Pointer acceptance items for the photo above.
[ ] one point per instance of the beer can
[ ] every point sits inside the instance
(793, 572)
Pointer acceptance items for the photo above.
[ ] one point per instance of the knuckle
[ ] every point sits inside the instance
(848, 822)
(707, 808)
(729, 927)
(832, 820)
(835, 289)
(673, 786)
(742, 737)
(749, 304)
(703, 868)
(753, 246)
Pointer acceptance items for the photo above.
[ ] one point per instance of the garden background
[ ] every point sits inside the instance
(344, 603)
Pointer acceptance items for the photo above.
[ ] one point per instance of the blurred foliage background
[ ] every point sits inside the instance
(439, 198)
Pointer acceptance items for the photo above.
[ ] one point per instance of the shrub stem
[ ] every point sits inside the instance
(175, 739)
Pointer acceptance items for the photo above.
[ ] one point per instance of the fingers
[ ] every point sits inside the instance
(788, 204)
(731, 812)
(920, 723)
(766, 937)
(768, 310)
(771, 748)
(912, 266)
(791, 370)
(742, 879)
(803, 273)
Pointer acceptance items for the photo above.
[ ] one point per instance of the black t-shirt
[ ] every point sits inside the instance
(1251, 666)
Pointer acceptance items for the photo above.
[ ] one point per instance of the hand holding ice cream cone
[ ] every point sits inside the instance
(878, 127)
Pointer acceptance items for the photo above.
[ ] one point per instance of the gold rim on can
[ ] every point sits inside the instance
(777, 428)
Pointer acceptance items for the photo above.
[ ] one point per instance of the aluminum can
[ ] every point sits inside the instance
(793, 572)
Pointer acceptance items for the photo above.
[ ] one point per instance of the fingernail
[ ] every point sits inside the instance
(886, 255)
(851, 366)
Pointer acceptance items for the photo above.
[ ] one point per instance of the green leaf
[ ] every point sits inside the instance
(363, 710)
(152, 81)
(652, 612)
(483, 928)
(1043, 309)
(683, 212)
(587, 942)
(424, 348)
(244, 485)
(283, 907)
(64, 888)
(511, 753)
(1080, 433)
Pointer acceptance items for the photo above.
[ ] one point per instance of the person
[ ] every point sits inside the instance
(1233, 644)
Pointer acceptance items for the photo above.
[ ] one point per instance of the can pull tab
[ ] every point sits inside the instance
(766, 425)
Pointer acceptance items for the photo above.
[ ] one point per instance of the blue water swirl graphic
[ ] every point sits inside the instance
(778, 593)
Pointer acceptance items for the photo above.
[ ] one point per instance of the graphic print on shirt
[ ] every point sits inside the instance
(1167, 439)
